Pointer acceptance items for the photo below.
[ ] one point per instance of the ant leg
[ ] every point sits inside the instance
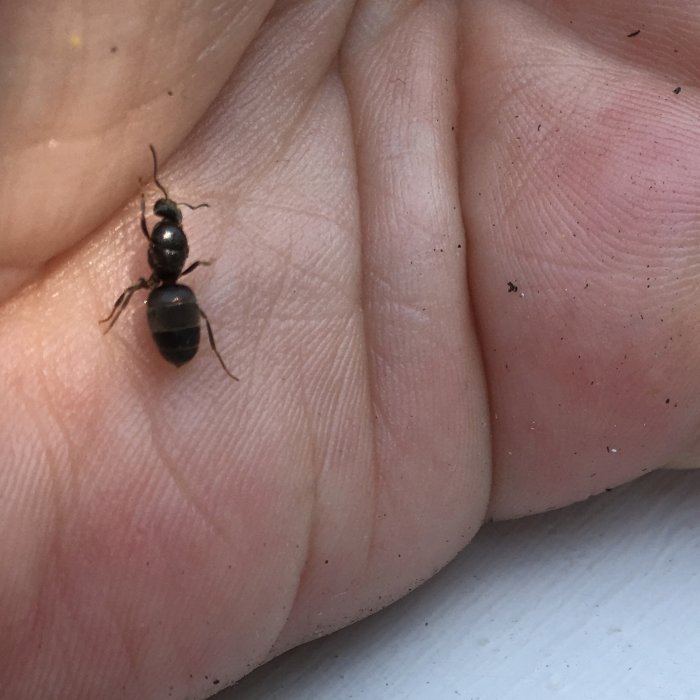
(144, 228)
(213, 345)
(194, 266)
(121, 303)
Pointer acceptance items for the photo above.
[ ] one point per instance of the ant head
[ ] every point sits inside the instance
(167, 209)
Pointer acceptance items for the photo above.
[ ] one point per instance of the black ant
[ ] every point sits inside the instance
(172, 309)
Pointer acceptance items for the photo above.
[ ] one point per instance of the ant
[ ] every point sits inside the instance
(172, 309)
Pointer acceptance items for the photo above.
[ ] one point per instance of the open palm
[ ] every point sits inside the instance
(454, 249)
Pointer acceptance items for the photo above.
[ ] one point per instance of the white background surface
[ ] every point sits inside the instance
(600, 600)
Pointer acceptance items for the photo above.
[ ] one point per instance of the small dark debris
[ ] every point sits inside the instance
(608, 490)
(512, 287)
(634, 33)
(677, 90)
(539, 127)
(216, 681)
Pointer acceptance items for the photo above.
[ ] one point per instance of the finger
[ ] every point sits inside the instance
(580, 186)
(425, 471)
(83, 100)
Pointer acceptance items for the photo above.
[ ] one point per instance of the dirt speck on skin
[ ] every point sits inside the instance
(636, 32)
(677, 90)
(512, 287)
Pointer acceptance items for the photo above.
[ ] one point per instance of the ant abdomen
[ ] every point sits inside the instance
(173, 318)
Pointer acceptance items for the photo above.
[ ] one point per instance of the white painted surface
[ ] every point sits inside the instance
(597, 601)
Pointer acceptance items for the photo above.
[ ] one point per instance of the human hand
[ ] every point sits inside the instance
(377, 174)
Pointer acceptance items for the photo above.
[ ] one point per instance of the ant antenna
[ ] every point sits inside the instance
(155, 171)
(163, 190)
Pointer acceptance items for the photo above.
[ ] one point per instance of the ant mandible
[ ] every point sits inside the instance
(172, 309)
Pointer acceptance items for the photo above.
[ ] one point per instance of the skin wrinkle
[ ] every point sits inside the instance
(276, 301)
(280, 643)
(377, 27)
(121, 648)
(131, 652)
(302, 101)
(55, 603)
(187, 491)
(313, 215)
(362, 303)
(31, 622)
(316, 462)
(289, 266)
(56, 485)
(33, 570)
(168, 463)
